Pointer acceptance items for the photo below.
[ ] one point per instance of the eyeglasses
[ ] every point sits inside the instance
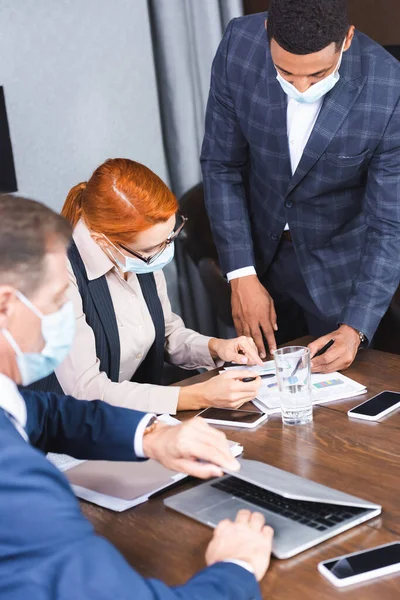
(149, 259)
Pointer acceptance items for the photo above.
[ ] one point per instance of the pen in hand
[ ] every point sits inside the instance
(324, 349)
(250, 379)
(268, 375)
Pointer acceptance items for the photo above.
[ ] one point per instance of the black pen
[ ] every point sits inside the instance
(250, 379)
(324, 349)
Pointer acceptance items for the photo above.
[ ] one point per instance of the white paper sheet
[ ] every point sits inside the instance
(268, 367)
(325, 388)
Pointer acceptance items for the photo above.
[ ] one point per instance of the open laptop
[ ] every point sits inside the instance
(301, 512)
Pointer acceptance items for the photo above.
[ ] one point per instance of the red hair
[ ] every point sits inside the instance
(121, 199)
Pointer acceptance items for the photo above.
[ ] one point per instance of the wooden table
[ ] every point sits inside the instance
(361, 458)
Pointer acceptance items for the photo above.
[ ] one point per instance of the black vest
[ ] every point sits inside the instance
(100, 316)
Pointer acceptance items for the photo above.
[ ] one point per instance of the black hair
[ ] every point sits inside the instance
(28, 231)
(307, 26)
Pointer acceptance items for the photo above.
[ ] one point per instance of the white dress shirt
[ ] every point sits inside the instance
(301, 119)
(13, 404)
(80, 374)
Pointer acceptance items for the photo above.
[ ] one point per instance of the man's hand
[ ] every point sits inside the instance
(253, 312)
(339, 356)
(241, 350)
(182, 447)
(246, 539)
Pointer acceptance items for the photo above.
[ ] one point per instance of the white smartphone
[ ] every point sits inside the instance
(362, 566)
(377, 407)
(233, 418)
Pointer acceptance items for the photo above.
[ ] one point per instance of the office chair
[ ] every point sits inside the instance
(387, 337)
(199, 244)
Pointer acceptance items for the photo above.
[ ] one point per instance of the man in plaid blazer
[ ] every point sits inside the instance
(301, 166)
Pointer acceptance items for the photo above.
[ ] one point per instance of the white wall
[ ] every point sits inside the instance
(79, 82)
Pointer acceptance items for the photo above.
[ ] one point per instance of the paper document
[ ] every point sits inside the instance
(120, 485)
(268, 367)
(63, 462)
(325, 388)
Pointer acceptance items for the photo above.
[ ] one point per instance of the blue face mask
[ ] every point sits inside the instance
(314, 92)
(135, 265)
(58, 330)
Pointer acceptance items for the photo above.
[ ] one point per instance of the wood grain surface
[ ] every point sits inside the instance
(360, 458)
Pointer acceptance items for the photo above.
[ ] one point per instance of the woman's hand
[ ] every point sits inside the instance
(241, 350)
(226, 390)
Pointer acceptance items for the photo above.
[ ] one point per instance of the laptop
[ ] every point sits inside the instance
(301, 512)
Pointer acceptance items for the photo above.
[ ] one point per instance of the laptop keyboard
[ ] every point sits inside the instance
(317, 515)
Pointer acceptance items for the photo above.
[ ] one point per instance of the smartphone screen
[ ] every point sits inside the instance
(234, 416)
(364, 562)
(377, 405)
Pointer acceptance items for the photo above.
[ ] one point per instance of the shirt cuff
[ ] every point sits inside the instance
(138, 437)
(240, 563)
(244, 272)
(200, 353)
(162, 399)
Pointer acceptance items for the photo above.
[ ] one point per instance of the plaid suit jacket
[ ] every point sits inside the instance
(342, 203)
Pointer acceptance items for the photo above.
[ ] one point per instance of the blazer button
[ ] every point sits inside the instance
(274, 237)
(288, 204)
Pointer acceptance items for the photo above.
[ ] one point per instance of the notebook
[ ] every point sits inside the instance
(120, 485)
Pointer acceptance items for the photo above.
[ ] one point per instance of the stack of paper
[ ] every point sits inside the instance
(120, 485)
(325, 388)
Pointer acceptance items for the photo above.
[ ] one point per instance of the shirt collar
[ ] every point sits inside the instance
(95, 260)
(12, 402)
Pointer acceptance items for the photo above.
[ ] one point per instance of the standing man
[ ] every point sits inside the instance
(301, 165)
(48, 550)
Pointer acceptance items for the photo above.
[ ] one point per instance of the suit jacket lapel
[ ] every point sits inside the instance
(334, 111)
(276, 125)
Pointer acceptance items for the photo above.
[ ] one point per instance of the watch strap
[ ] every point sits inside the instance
(151, 425)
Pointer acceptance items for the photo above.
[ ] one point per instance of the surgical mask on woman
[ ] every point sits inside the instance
(58, 330)
(135, 265)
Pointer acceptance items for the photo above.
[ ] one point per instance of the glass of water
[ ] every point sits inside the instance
(293, 374)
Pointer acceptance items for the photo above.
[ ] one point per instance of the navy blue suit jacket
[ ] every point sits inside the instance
(48, 550)
(342, 203)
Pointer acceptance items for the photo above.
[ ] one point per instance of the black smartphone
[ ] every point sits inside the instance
(377, 407)
(233, 418)
(361, 566)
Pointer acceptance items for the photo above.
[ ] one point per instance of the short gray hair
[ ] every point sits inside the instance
(28, 231)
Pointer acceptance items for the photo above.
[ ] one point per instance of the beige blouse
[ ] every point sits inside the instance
(80, 375)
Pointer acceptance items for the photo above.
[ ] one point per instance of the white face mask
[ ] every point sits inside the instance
(315, 92)
(135, 265)
(58, 330)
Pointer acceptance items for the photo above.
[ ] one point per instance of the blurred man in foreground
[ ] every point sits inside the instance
(48, 550)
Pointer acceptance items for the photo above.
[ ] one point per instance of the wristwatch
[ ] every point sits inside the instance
(363, 338)
(151, 425)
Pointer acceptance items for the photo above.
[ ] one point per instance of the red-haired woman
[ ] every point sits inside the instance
(125, 221)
